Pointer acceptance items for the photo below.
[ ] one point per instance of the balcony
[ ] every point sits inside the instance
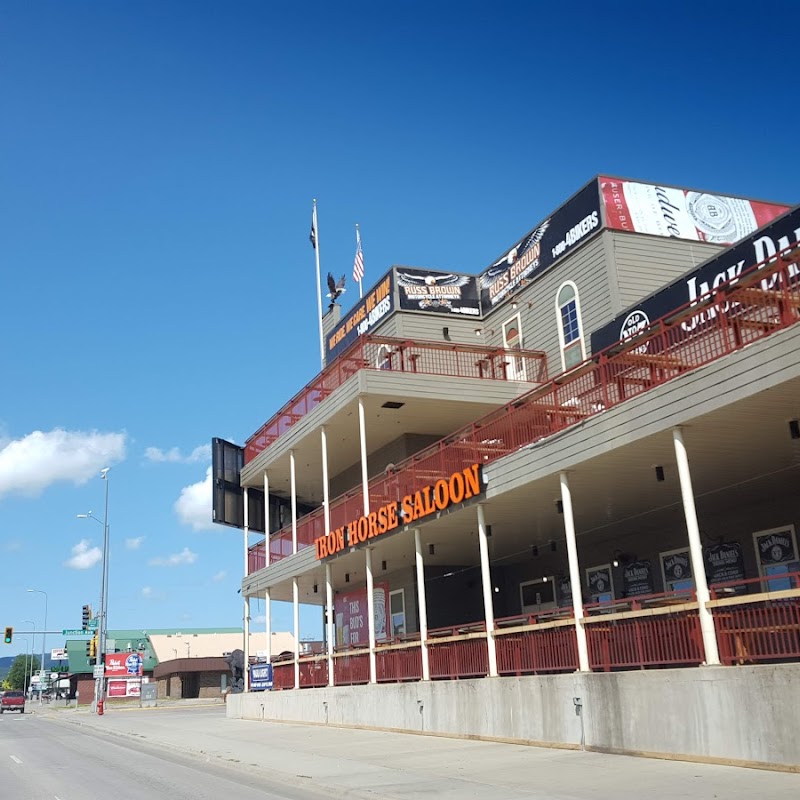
(399, 355)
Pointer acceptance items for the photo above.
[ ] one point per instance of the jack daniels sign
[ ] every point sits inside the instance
(571, 225)
(726, 266)
(442, 292)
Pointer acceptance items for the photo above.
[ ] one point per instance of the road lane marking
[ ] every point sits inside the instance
(14, 758)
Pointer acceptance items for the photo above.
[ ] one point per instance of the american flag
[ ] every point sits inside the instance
(358, 264)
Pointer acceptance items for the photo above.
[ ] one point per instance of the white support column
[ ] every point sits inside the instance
(296, 609)
(246, 656)
(371, 616)
(293, 477)
(329, 629)
(488, 603)
(329, 620)
(268, 615)
(422, 606)
(362, 433)
(246, 626)
(574, 572)
(695, 550)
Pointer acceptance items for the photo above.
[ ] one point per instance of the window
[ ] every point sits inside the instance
(397, 610)
(568, 315)
(537, 595)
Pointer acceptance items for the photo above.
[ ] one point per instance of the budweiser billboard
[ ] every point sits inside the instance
(682, 213)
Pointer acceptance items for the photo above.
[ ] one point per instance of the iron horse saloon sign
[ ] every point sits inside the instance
(444, 493)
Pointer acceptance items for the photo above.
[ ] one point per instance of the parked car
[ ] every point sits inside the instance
(12, 701)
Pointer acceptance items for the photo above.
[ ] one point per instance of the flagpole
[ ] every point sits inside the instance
(319, 288)
(358, 243)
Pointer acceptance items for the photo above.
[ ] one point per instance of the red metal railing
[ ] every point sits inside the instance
(283, 676)
(645, 631)
(351, 668)
(755, 305)
(387, 353)
(313, 672)
(458, 657)
(764, 628)
(398, 664)
(537, 650)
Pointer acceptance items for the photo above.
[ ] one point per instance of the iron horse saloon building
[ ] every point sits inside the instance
(555, 501)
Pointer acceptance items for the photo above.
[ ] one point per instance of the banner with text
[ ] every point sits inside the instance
(726, 266)
(571, 225)
(442, 292)
(366, 314)
(123, 664)
(351, 615)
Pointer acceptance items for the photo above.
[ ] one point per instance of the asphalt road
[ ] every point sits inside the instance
(40, 760)
(196, 752)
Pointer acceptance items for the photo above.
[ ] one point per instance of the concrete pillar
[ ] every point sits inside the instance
(574, 572)
(695, 550)
(488, 603)
(422, 605)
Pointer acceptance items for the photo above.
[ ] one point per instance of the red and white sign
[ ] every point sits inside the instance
(682, 213)
(124, 688)
(352, 615)
(123, 664)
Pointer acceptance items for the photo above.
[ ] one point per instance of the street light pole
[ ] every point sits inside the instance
(102, 626)
(44, 636)
(30, 664)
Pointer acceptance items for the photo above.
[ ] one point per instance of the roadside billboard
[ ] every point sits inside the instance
(123, 664)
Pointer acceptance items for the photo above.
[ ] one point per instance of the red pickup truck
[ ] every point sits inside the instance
(12, 701)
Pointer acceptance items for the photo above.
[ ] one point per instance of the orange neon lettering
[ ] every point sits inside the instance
(441, 495)
(456, 487)
(372, 523)
(472, 483)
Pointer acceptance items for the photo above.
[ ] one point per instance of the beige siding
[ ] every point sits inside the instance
(645, 264)
(588, 270)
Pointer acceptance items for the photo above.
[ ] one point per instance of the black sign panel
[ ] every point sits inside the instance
(369, 312)
(570, 226)
(599, 582)
(677, 567)
(637, 578)
(443, 292)
(227, 495)
(776, 547)
(565, 592)
(724, 562)
(726, 266)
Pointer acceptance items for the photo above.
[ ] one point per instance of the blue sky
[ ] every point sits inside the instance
(157, 166)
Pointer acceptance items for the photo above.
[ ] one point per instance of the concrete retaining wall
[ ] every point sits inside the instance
(740, 715)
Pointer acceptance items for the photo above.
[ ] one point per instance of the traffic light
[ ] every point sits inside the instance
(85, 617)
(93, 649)
(9, 635)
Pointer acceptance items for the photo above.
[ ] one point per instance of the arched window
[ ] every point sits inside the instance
(570, 329)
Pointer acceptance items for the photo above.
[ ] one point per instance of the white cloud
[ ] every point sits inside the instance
(42, 458)
(186, 556)
(220, 576)
(194, 504)
(134, 543)
(83, 556)
(261, 619)
(200, 454)
(147, 591)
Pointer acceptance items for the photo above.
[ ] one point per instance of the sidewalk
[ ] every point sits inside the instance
(368, 764)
